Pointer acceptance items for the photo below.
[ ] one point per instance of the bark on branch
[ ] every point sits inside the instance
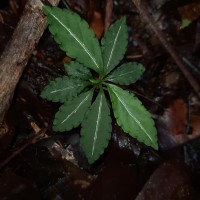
(19, 49)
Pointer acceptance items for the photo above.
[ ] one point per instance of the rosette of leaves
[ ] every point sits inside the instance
(91, 83)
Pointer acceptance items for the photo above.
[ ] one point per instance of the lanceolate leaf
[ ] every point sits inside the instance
(114, 44)
(132, 116)
(63, 89)
(72, 113)
(74, 36)
(79, 42)
(127, 73)
(77, 70)
(96, 129)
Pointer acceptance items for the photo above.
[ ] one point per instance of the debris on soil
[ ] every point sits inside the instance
(37, 163)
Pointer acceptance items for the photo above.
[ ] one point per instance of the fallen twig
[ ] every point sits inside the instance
(19, 49)
(39, 134)
(168, 46)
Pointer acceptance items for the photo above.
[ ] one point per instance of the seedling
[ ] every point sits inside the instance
(91, 83)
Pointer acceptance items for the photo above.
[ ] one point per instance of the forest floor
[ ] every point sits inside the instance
(37, 163)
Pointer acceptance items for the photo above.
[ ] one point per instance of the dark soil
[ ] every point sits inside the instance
(53, 166)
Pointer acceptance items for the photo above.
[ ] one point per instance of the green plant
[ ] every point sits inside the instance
(93, 74)
(185, 23)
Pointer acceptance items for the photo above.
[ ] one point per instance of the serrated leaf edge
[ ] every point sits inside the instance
(70, 64)
(80, 43)
(84, 100)
(133, 116)
(48, 89)
(97, 125)
(113, 47)
(107, 139)
(106, 66)
(112, 76)
(66, 88)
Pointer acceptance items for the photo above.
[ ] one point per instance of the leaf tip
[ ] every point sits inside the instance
(123, 19)
(42, 94)
(55, 128)
(91, 160)
(155, 146)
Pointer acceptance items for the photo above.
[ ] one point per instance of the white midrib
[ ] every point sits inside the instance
(80, 43)
(131, 114)
(113, 47)
(97, 126)
(113, 76)
(67, 88)
(74, 111)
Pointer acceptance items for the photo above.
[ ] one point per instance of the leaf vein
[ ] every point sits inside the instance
(133, 116)
(112, 50)
(67, 88)
(74, 111)
(97, 125)
(79, 42)
(120, 75)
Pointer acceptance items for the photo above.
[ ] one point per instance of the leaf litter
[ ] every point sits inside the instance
(124, 150)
